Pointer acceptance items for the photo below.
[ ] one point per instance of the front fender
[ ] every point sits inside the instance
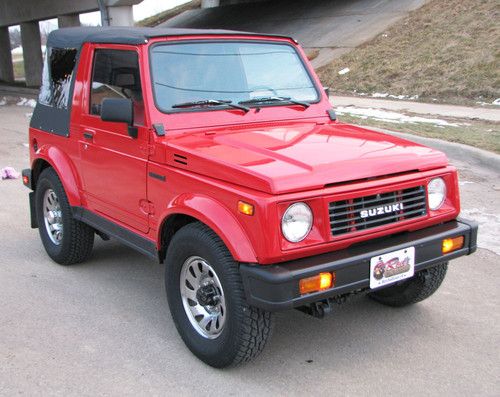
(64, 168)
(219, 219)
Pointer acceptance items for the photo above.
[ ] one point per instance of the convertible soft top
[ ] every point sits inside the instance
(76, 37)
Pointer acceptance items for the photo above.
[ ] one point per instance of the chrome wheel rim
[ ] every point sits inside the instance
(202, 297)
(52, 216)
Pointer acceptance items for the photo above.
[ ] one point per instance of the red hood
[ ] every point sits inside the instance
(297, 156)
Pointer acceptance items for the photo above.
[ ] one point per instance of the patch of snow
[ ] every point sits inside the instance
(496, 102)
(400, 97)
(390, 117)
(3, 101)
(26, 102)
(344, 71)
(19, 50)
(463, 183)
(26, 145)
(28, 115)
(489, 226)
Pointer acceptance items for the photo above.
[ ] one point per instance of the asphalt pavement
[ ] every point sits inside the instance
(104, 328)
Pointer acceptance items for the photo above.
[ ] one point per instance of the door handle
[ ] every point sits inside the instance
(88, 135)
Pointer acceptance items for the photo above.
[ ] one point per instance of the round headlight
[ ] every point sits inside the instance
(297, 222)
(436, 192)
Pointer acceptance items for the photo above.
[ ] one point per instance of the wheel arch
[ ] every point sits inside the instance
(50, 156)
(214, 215)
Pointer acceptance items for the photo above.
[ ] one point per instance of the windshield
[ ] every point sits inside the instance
(228, 71)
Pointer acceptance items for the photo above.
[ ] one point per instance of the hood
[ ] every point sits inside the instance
(297, 156)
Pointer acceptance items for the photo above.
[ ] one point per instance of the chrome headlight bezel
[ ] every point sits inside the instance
(436, 193)
(296, 222)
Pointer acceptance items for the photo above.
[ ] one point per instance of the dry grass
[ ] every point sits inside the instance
(480, 134)
(165, 15)
(448, 50)
(312, 53)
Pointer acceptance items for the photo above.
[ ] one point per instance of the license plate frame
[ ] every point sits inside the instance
(391, 267)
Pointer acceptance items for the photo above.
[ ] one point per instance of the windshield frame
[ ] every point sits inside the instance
(225, 107)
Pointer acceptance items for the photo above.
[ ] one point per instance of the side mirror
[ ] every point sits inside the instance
(119, 110)
(327, 91)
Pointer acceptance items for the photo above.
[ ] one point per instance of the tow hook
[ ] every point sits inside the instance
(317, 309)
(321, 308)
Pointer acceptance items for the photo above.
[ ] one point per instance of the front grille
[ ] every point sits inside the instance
(347, 216)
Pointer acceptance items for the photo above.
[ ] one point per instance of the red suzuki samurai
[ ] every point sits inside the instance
(219, 154)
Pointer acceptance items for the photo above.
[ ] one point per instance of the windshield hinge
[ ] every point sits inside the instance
(148, 149)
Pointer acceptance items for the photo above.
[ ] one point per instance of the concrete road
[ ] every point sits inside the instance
(103, 327)
(333, 27)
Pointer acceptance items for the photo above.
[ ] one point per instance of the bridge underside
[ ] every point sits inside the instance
(28, 13)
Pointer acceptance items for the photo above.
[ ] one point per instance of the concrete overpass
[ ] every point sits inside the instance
(332, 27)
(28, 13)
(328, 27)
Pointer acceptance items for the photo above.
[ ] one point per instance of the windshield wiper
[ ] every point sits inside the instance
(274, 99)
(210, 102)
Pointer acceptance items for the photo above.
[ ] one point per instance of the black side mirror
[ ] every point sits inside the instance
(327, 91)
(119, 110)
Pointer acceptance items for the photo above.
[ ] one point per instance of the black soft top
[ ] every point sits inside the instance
(76, 37)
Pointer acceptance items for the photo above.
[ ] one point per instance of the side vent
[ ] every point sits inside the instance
(180, 159)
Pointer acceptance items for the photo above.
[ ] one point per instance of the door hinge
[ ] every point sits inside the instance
(147, 207)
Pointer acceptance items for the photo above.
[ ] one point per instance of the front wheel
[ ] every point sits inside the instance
(413, 290)
(207, 300)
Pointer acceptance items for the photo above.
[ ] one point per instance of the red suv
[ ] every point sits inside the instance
(219, 154)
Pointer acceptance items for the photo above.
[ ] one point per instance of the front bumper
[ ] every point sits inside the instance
(276, 287)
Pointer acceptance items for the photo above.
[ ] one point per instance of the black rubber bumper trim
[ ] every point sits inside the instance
(275, 287)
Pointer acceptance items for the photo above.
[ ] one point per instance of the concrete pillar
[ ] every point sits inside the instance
(121, 16)
(6, 69)
(32, 53)
(67, 21)
(210, 3)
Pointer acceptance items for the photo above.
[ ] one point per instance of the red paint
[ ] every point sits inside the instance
(270, 159)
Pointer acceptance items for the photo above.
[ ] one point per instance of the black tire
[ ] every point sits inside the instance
(77, 238)
(246, 329)
(422, 285)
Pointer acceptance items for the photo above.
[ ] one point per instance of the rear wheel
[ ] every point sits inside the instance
(207, 300)
(66, 240)
(413, 290)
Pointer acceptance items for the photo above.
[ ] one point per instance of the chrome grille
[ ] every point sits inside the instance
(361, 213)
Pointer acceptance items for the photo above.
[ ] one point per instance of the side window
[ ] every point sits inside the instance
(56, 77)
(116, 75)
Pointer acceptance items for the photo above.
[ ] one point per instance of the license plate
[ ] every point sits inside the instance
(392, 267)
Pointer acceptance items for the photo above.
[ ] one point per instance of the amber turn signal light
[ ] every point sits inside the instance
(452, 244)
(245, 208)
(316, 283)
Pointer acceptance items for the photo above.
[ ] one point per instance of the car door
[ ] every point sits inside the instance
(114, 164)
